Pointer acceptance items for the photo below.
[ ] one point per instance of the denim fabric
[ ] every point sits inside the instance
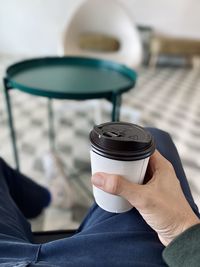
(103, 238)
(29, 196)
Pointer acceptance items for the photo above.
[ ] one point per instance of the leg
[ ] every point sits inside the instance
(121, 239)
(15, 231)
(12, 221)
(108, 239)
(30, 197)
(167, 148)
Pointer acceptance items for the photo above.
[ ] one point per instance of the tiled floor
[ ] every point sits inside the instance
(165, 98)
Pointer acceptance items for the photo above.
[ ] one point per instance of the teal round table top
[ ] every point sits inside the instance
(70, 77)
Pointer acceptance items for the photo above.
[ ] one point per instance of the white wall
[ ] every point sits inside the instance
(35, 26)
(175, 17)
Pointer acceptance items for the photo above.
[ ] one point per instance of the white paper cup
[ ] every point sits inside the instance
(119, 148)
(132, 170)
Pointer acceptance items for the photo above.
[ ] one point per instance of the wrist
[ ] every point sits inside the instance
(183, 226)
(182, 249)
(191, 221)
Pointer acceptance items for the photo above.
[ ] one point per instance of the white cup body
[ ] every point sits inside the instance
(132, 170)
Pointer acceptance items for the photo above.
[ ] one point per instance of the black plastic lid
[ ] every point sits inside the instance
(122, 141)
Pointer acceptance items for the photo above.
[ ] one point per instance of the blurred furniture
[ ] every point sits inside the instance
(185, 51)
(102, 29)
(73, 78)
(146, 33)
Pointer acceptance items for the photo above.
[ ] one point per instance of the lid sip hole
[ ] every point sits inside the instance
(111, 134)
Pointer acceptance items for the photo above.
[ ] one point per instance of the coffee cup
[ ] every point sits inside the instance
(119, 148)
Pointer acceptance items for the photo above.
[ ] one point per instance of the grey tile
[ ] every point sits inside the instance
(175, 122)
(28, 148)
(193, 146)
(65, 148)
(38, 165)
(156, 114)
(36, 122)
(66, 122)
(79, 211)
(195, 132)
(191, 163)
(81, 165)
(81, 133)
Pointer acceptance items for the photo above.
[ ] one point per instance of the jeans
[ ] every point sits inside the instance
(103, 238)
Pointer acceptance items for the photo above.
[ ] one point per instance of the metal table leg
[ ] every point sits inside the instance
(11, 124)
(51, 125)
(116, 101)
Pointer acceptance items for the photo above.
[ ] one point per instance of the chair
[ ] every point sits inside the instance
(101, 29)
(96, 20)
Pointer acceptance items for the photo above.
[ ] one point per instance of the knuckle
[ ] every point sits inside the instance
(167, 163)
(113, 184)
(148, 202)
(170, 167)
(144, 204)
(148, 199)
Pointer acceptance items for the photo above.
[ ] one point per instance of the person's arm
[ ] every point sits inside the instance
(185, 249)
(160, 201)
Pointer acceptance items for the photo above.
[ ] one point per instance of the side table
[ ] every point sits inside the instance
(75, 78)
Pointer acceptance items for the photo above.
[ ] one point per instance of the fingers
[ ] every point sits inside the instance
(158, 163)
(134, 193)
(117, 185)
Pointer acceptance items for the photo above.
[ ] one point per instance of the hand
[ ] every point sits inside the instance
(160, 201)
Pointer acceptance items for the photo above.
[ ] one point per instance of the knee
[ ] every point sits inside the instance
(2, 163)
(159, 134)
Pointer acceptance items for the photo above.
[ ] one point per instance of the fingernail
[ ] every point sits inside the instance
(97, 180)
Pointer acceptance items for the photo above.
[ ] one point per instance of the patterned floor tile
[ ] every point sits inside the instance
(166, 98)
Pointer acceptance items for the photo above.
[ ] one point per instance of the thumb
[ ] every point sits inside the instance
(117, 185)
